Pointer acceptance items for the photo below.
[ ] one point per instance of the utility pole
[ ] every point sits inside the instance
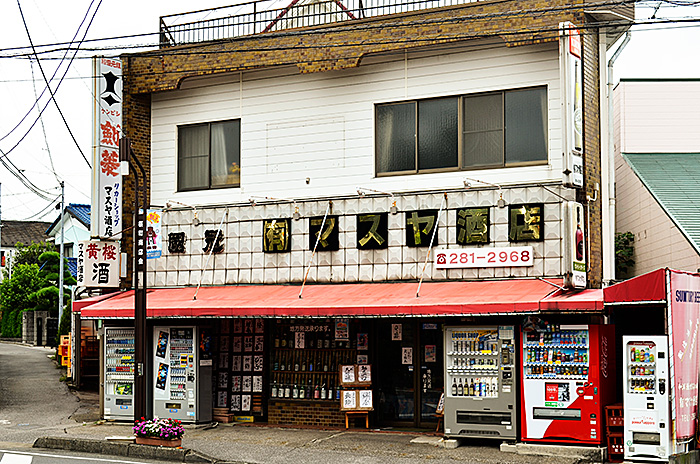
(60, 265)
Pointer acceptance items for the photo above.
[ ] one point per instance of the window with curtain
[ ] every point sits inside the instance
(209, 155)
(489, 130)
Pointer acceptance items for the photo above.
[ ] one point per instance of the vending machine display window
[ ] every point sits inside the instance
(641, 368)
(119, 373)
(556, 353)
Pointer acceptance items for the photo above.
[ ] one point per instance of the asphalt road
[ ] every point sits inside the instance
(33, 402)
(48, 457)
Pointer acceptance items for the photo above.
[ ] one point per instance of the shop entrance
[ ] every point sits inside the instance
(408, 372)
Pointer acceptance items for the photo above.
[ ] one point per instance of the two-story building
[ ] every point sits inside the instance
(338, 182)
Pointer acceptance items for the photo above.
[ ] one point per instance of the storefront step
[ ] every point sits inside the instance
(591, 454)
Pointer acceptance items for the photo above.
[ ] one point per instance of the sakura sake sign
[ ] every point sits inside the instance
(98, 264)
(106, 221)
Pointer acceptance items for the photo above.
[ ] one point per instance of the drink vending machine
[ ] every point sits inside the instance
(480, 398)
(646, 399)
(182, 376)
(568, 377)
(119, 373)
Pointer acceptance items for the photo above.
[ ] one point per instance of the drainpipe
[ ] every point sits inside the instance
(609, 261)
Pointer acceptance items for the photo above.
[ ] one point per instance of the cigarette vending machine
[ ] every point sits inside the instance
(646, 398)
(119, 373)
(568, 375)
(182, 378)
(480, 398)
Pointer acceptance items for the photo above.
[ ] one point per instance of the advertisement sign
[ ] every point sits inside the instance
(451, 258)
(106, 206)
(685, 319)
(572, 103)
(574, 245)
(98, 263)
(154, 240)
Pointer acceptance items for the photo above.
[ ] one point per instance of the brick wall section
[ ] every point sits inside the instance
(136, 119)
(591, 151)
(318, 414)
(342, 45)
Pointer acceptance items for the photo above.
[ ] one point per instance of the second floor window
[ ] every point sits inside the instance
(490, 130)
(209, 155)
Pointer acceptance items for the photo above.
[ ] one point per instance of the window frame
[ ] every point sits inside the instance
(209, 186)
(460, 134)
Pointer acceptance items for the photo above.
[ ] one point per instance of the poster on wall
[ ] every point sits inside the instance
(430, 353)
(154, 240)
(407, 355)
(396, 332)
(684, 307)
(342, 329)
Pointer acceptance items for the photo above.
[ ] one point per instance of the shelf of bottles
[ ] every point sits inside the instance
(642, 368)
(181, 353)
(304, 364)
(556, 354)
(472, 363)
(119, 360)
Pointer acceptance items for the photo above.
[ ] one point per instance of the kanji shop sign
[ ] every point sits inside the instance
(98, 263)
(107, 130)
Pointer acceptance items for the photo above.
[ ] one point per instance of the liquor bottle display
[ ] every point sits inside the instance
(473, 363)
(556, 353)
(305, 361)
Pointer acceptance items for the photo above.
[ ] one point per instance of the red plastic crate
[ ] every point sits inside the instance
(614, 416)
(616, 447)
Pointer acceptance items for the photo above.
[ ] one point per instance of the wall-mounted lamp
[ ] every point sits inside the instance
(362, 191)
(296, 215)
(501, 203)
(169, 205)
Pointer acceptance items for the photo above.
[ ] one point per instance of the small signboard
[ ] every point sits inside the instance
(356, 375)
(357, 400)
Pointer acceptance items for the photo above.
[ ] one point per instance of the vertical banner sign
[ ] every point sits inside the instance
(98, 263)
(106, 204)
(572, 103)
(154, 240)
(574, 245)
(685, 319)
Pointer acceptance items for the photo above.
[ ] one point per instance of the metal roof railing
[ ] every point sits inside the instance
(260, 16)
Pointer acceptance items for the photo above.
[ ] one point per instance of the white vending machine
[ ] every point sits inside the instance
(480, 382)
(646, 397)
(119, 373)
(182, 379)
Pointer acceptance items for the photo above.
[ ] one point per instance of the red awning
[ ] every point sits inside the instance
(647, 288)
(78, 305)
(351, 300)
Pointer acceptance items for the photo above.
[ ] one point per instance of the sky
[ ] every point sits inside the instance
(48, 154)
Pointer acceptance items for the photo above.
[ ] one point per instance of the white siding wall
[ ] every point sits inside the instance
(321, 125)
(657, 241)
(659, 116)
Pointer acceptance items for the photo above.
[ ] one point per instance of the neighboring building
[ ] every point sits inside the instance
(14, 232)
(327, 155)
(76, 227)
(657, 171)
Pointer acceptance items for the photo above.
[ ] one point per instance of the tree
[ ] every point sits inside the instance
(30, 254)
(15, 297)
(624, 253)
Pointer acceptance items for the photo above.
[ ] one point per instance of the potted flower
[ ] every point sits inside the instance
(159, 432)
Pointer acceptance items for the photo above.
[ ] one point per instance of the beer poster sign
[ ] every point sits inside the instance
(98, 263)
(574, 245)
(106, 204)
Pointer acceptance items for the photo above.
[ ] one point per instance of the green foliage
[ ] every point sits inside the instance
(50, 268)
(15, 297)
(624, 253)
(30, 254)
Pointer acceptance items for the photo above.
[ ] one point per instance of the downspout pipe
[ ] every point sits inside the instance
(611, 154)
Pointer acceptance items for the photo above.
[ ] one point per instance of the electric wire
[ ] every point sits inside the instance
(67, 50)
(43, 127)
(48, 86)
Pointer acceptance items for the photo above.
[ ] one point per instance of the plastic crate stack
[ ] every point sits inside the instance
(614, 425)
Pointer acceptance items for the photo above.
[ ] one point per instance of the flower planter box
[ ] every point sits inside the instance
(153, 441)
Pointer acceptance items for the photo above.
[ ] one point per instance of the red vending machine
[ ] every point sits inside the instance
(568, 377)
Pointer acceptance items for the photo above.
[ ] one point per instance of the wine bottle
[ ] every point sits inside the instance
(460, 388)
(324, 392)
(454, 387)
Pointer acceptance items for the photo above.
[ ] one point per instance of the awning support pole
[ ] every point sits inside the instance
(432, 241)
(318, 238)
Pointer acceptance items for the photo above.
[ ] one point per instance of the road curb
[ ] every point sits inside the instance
(87, 445)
